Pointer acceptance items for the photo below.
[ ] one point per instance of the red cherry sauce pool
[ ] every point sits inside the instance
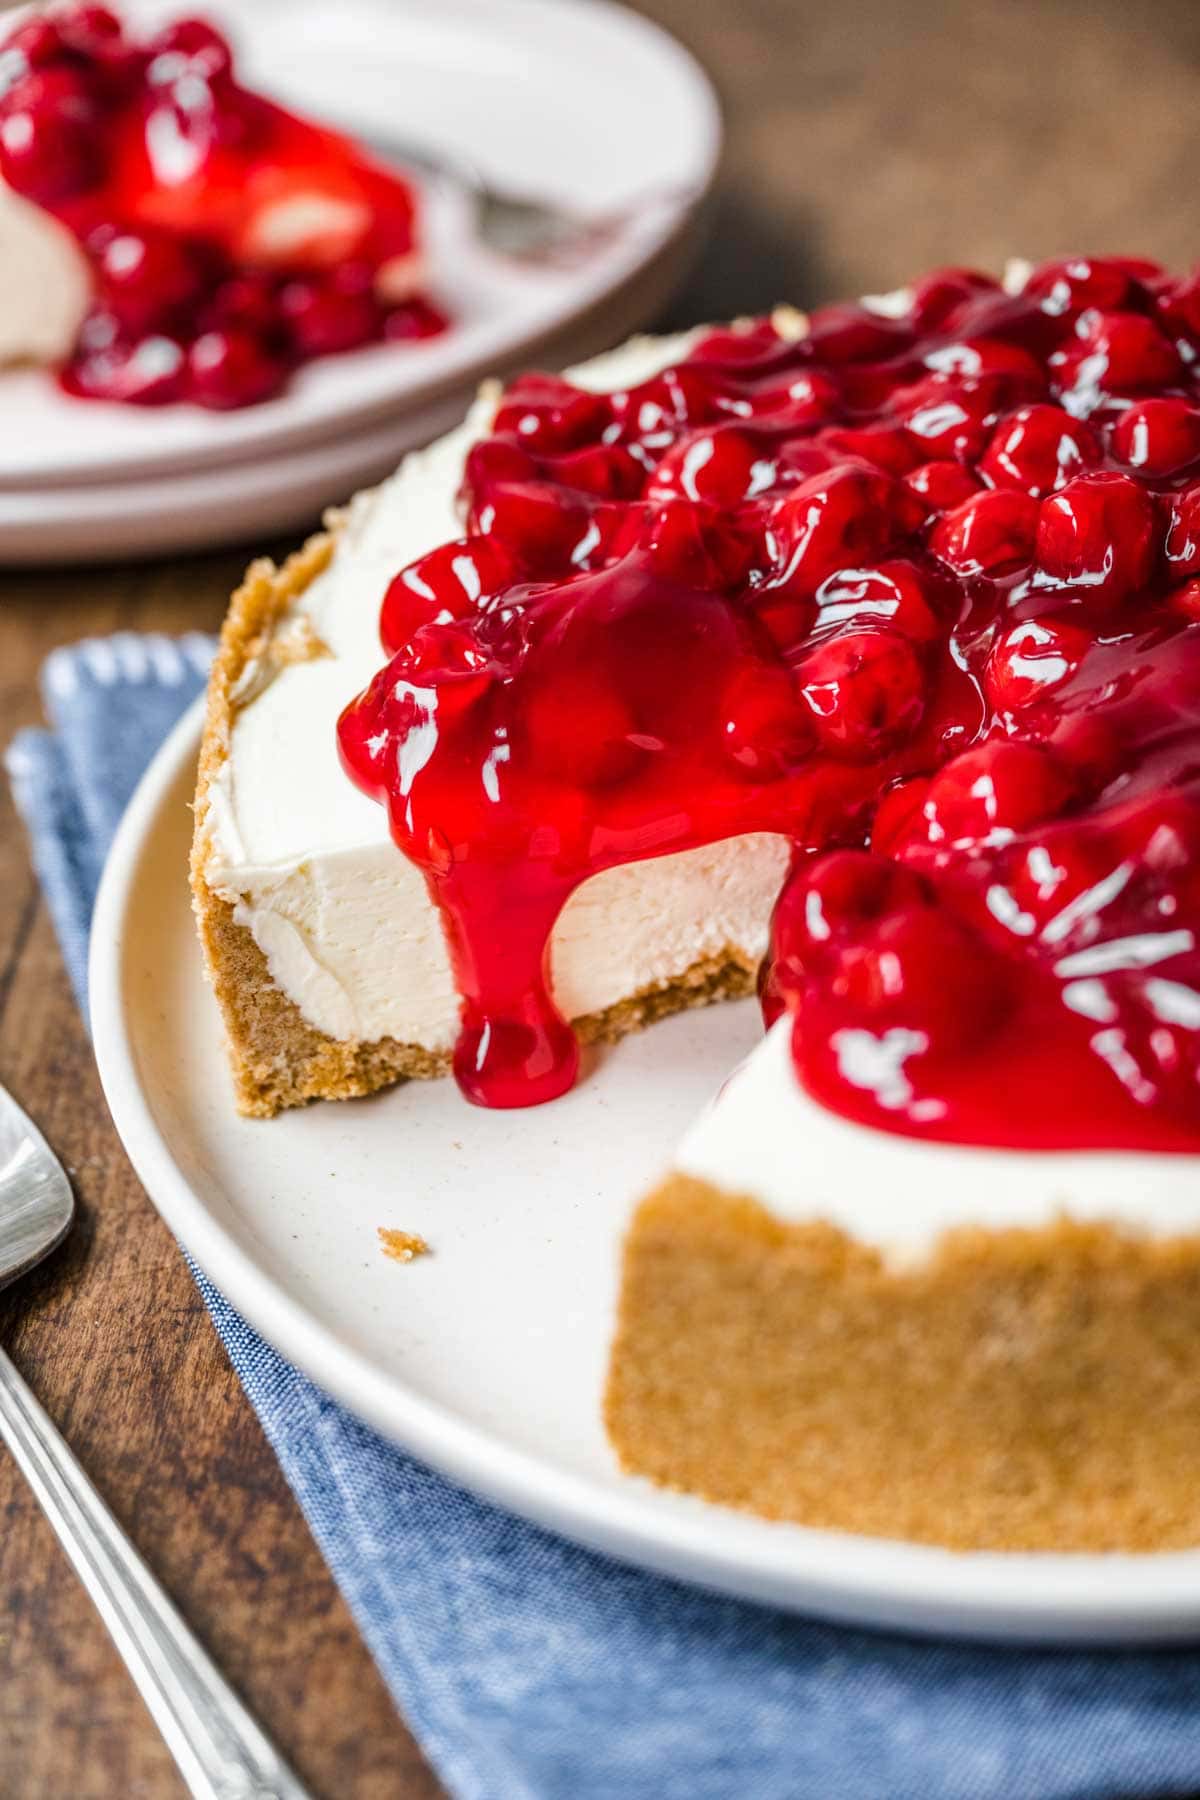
(229, 240)
(921, 593)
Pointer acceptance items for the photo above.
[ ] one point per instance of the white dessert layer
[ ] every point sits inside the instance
(45, 284)
(763, 1136)
(344, 920)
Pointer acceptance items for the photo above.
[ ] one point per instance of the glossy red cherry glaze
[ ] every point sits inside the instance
(230, 241)
(917, 592)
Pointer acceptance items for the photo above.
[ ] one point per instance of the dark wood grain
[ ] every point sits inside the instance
(866, 142)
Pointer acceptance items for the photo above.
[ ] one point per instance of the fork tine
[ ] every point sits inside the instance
(36, 1201)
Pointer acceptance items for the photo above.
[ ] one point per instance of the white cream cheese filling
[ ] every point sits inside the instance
(764, 1136)
(45, 284)
(343, 919)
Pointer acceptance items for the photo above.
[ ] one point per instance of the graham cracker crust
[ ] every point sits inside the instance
(277, 1058)
(1020, 1390)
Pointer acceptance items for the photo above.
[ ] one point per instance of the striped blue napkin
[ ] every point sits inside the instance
(529, 1669)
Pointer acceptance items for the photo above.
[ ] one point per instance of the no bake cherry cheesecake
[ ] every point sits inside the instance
(167, 234)
(905, 596)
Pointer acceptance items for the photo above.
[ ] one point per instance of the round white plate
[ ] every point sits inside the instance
(487, 1358)
(584, 103)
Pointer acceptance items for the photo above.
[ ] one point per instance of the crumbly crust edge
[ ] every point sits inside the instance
(1019, 1389)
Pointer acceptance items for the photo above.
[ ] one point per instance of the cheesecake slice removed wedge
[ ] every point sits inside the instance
(168, 234)
(851, 1330)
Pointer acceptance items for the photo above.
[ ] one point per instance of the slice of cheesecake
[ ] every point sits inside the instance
(324, 948)
(844, 1328)
(168, 234)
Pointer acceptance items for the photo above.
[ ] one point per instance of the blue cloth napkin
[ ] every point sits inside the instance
(530, 1669)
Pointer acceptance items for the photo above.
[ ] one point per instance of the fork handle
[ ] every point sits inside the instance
(220, 1751)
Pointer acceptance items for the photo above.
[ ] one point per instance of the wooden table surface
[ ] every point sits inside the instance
(866, 142)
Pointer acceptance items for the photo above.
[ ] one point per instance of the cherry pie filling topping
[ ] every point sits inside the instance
(229, 240)
(921, 593)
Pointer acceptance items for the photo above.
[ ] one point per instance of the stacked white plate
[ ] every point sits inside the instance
(575, 101)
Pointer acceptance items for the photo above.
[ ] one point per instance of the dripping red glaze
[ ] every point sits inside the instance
(229, 240)
(919, 592)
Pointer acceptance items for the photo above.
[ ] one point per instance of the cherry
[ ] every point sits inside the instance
(802, 400)
(1053, 873)
(883, 446)
(864, 689)
(939, 295)
(842, 518)
(325, 315)
(412, 321)
(944, 485)
(991, 534)
(923, 969)
(534, 522)
(1097, 534)
(658, 408)
(92, 35)
(437, 679)
(1158, 437)
(609, 471)
(249, 300)
(32, 45)
(89, 27)
(720, 467)
(996, 789)
(853, 334)
(1070, 284)
(739, 349)
(1037, 449)
(549, 415)
(831, 897)
(1088, 747)
(145, 276)
(1186, 600)
(493, 460)
(895, 593)
(48, 147)
(976, 356)
(232, 367)
(1031, 659)
(191, 45)
(1178, 308)
(445, 653)
(695, 546)
(899, 817)
(762, 726)
(151, 372)
(1116, 353)
(1181, 548)
(952, 416)
(450, 583)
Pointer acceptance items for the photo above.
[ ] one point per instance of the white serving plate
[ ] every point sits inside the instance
(487, 1358)
(581, 102)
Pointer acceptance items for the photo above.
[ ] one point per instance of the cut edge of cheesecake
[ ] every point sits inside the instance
(1024, 1388)
(277, 1057)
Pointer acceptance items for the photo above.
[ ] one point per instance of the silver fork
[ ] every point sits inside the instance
(538, 233)
(220, 1751)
